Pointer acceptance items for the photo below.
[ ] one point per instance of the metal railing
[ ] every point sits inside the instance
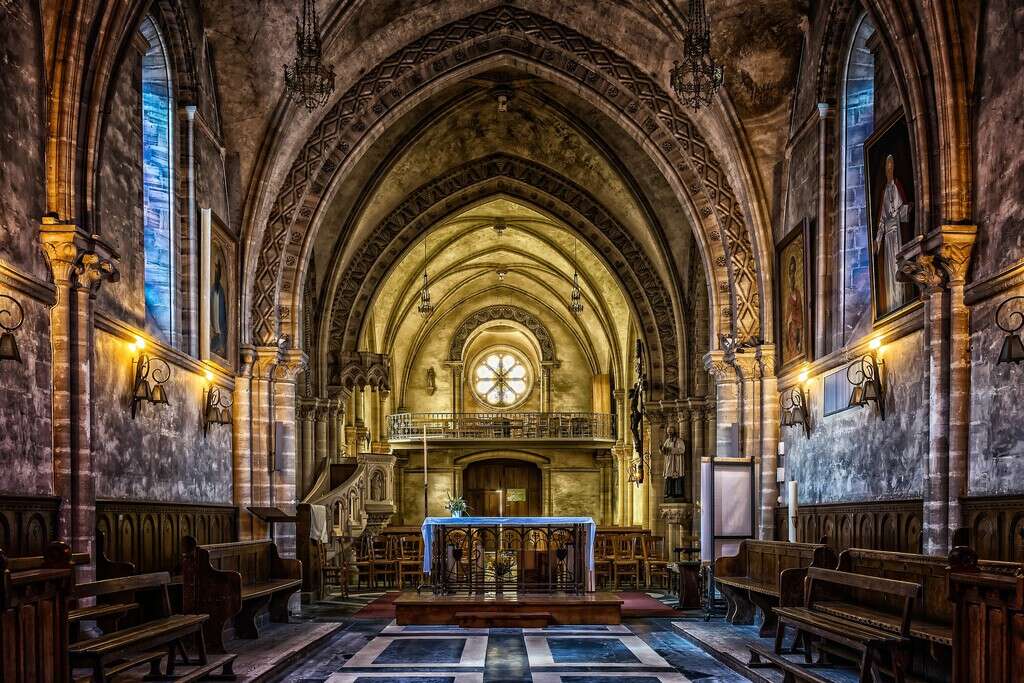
(501, 426)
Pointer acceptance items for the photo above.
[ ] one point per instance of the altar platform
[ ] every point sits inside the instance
(515, 610)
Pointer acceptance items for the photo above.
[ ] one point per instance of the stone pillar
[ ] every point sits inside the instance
(726, 404)
(604, 462)
(241, 447)
(331, 448)
(769, 454)
(938, 264)
(79, 264)
(698, 423)
(321, 429)
(749, 369)
(262, 440)
(284, 484)
(823, 248)
(307, 414)
(545, 387)
(383, 444)
(710, 428)
(455, 368)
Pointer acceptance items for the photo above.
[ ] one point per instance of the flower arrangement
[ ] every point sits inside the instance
(456, 505)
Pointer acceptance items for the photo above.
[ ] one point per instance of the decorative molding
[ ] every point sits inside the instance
(18, 281)
(1007, 279)
(502, 312)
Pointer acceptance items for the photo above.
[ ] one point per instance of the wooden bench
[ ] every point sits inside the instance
(876, 647)
(753, 578)
(237, 580)
(147, 643)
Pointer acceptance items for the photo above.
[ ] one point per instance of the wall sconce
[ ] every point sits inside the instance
(146, 369)
(866, 377)
(12, 315)
(218, 404)
(1013, 347)
(794, 407)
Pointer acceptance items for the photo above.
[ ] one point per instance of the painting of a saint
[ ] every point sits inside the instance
(795, 283)
(891, 208)
(219, 306)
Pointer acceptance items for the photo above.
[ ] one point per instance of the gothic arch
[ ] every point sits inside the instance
(351, 291)
(602, 75)
(502, 312)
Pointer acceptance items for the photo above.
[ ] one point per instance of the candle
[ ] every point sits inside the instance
(792, 511)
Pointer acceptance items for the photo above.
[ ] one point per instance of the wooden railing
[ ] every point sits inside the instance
(501, 426)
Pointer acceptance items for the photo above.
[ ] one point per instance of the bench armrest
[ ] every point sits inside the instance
(734, 565)
(283, 567)
(791, 587)
(206, 589)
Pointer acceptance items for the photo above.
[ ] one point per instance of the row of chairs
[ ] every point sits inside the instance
(638, 559)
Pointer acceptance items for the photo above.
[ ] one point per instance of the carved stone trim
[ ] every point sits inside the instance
(502, 312)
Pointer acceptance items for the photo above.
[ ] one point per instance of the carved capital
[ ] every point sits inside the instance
(92, 270)
(76, 259)
(246, 359)
(922, 271)
(677, 513)
(289, 365)
(747, 365)
(717, 367)
(767, 356)
(955, 251)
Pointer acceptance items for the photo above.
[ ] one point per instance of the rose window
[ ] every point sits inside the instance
(501, 379)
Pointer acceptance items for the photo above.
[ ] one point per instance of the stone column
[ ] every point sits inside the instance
(79, 264)
(710, 428)
(697, 452)
(383, 444)
(769, 454)
(823, 251)
(241, 447)
(283, 484)
(658, 414)
(749, 369)
(455, 368)
(604, 462)
(545, 387)
(321, 429)
(307, 413)
(331, 449)
(726, 404)
(262, 441)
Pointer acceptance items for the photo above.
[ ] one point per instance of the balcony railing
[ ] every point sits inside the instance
(501, 426)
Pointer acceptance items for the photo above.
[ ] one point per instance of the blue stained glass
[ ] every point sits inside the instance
(157, 172)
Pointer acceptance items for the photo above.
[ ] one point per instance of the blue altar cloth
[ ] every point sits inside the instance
(430, 522)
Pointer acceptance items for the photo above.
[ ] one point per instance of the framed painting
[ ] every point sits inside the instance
(891, 199)
(794, 265)
(218, 281)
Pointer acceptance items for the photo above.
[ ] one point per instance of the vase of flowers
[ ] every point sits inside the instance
(456, 505)
(502, 566)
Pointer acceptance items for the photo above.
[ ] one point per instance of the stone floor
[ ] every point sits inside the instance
(641, 650)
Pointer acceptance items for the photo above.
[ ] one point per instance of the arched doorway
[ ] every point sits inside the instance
(503, 487)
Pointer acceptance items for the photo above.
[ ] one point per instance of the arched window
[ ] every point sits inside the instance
(857, 124)
(501, 379)
(157, 183)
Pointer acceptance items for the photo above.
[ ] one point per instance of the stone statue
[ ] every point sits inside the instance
(431, 381)
(673, 449)
(895, 211)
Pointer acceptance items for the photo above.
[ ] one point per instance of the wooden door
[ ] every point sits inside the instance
(516, 484)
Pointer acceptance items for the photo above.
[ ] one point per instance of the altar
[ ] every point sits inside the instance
(522, 555)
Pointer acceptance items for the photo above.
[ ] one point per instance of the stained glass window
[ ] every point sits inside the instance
(501, 379)
(157, 179)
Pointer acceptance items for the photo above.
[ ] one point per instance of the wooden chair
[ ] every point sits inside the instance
(410, 560)
(383, 562)
(626, 562)
(655, 562)
(337, 569)
(603, 555)
(364, 563)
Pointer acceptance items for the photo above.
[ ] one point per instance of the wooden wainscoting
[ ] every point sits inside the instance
(996, 524)
(28, 524)
(149, 534)
(884, 525)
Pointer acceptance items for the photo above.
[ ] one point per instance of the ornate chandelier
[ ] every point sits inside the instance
(308, 81)
(426, 309)
(576, 296)
(697, 78)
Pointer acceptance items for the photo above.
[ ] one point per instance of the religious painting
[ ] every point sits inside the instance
(891, 201)
(794, 260)
(218, 292)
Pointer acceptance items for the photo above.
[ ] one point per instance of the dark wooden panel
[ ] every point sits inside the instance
(149, 534)
(996, 524)
(883, 525)
(28, 524)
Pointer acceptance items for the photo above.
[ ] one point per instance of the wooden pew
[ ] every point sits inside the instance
(876, 647)
(33, 616)
(988, 621)
(147, 643)
(765, 574)
(237, 580)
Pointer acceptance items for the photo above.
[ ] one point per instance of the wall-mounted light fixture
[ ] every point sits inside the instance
(865, 374)
(795, 408)
(217, 410)
(1011, 324)
(12, 315)
(147, 369)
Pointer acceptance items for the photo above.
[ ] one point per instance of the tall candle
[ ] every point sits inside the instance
(792, 511)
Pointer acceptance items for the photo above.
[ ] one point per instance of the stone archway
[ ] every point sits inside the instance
(353, 289)
(617, 85)
(502, 312)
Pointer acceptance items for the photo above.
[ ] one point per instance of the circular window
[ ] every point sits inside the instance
(501, 379)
